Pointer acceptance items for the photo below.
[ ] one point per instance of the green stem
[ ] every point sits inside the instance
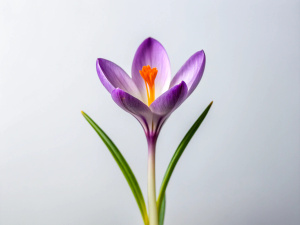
(153, 215)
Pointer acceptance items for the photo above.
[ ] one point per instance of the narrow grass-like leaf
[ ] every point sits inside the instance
(162, 211)
(126, 170)
(177, 155)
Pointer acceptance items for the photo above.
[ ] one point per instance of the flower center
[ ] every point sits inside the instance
(149, 75)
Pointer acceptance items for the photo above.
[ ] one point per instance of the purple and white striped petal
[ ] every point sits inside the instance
(134, 106)
(191, 72)
(112, 76)
(170, 100)
(151, 53)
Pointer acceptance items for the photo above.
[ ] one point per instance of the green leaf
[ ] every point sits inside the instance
(177, 155)
(162, 211)
(126, 170)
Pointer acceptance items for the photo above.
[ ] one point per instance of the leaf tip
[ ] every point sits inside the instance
(211, 103)
(82, 112)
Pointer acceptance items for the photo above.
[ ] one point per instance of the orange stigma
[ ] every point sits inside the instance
(149, 75)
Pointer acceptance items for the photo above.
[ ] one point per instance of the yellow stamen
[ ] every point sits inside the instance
(149, 75)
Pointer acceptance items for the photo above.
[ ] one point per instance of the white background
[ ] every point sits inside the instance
(242, 166)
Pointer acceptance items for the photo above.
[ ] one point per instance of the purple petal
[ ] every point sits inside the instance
(112, 76)
(170, 100)
(191, 72)
(134, 106)
(151, 53)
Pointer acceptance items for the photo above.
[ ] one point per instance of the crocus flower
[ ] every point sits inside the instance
(150, 95)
